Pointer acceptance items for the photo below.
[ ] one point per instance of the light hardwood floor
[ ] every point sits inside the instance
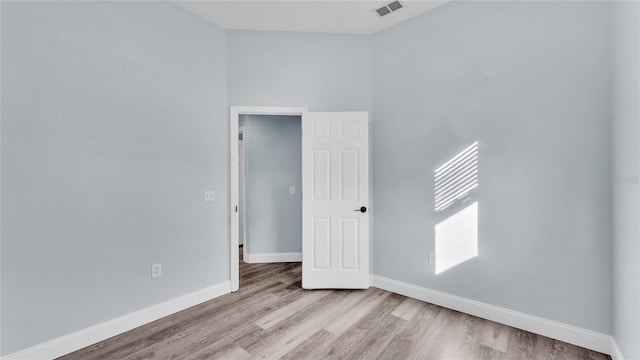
(272, 317)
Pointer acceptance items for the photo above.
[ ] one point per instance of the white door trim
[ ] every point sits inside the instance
(234, 191)
(242, 181)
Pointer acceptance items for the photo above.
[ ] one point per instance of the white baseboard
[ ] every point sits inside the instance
(556, 330)
(553, 329)
(91, 335)
(615, 353)
(272, 257)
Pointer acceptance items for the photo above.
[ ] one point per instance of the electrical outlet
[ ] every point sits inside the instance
(156, 270)
(432, 259)
(209, 196)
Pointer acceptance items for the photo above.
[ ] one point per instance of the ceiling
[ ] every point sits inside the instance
(347, 17)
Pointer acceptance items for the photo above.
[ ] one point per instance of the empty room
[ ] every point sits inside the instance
(316, 179)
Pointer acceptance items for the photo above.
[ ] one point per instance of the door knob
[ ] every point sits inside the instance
(362, 209)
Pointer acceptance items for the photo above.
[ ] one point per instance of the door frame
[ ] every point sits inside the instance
(234, 188)
(242, 182)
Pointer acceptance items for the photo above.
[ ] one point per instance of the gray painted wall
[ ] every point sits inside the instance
(114, 123)
(324, 72)
(530, 82)
(0, 182)
(625, 174)
(274, 162)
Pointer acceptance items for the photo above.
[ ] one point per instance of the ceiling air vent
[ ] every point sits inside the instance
(395, 6)
(383, 11)
(387, 9)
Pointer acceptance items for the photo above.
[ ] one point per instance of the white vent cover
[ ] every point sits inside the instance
(387, 9)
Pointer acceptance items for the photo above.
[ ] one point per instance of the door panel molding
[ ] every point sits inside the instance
(335, 186)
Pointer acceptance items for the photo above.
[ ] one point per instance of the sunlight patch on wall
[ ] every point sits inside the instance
(457, 238)
(455, 184)
(456, 178)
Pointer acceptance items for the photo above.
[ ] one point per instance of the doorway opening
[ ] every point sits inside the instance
(271, 211)
(235, 184)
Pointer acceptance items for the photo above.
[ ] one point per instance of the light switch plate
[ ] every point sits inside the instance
(209, 196)
(292, 190)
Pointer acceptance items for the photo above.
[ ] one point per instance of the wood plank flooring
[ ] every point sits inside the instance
(272, 317)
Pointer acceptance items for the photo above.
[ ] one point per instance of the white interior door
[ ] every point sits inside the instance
(335, 190)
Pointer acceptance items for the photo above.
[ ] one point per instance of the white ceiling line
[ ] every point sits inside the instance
(325, 16)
